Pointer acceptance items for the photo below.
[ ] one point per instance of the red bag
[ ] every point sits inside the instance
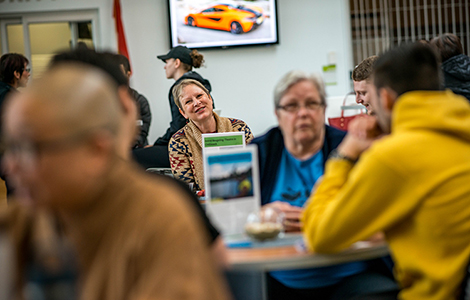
(342, 122)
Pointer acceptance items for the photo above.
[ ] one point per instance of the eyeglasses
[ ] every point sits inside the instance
(27, 152)
(26, 69)
(295, 107)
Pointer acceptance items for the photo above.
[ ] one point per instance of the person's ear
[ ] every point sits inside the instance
(102, 142)
(276, 112)
(101, 146)
(17, 75)
(182, 112)
(387, 98)
(177, 63)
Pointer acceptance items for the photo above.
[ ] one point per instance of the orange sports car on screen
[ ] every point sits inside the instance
(233, 18)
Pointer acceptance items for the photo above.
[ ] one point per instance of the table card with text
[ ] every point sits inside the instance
(232, 187)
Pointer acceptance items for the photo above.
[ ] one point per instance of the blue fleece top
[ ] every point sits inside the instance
(295, 178)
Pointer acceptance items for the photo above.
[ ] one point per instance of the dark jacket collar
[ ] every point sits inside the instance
(270, 147)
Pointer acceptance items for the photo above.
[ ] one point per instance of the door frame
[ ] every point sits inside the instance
(49, 17)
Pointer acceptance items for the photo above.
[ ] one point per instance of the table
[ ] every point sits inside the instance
(247, 274)
(289, 257)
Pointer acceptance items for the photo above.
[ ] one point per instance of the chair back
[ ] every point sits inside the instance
(161, 171)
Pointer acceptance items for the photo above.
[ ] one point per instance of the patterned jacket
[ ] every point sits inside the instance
(185, 149)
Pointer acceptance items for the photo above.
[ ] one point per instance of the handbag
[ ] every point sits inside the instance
(342, 122)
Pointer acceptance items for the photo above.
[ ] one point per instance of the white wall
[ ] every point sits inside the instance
(242, 78)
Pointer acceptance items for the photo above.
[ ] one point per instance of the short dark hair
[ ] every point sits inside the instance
(363, 70)
(407, 68)
(122, 60)
(9, 63)
(100, 60)
(448, 45)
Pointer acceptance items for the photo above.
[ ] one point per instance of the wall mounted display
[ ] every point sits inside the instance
(211, 24)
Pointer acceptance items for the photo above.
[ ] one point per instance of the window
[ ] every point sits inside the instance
(378, 25)
(39, 36)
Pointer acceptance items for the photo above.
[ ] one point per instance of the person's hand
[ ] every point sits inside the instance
(291, 215)
(377, 237)
(362, 133)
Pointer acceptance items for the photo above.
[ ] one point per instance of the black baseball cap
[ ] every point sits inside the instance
(181, 52)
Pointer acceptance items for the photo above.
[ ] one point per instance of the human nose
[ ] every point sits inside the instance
(303, 110)
(197, 102)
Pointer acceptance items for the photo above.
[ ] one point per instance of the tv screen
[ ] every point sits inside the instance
(209, 24)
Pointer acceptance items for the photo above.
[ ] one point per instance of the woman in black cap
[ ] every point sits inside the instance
(179, 63)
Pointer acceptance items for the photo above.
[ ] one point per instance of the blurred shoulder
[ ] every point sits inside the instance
(333, 134)
(159, 196)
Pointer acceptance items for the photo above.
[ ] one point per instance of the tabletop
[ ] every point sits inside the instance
(294, 256)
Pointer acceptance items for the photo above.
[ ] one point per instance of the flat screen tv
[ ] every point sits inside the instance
(215, 24)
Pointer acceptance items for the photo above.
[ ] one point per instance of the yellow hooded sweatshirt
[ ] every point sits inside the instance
(414, 185)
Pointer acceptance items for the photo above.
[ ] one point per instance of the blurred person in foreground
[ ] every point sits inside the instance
(361, 77)
(454, 64)
(106, 62)
(144, 113)
(291, 159)
(128, 108)
(412, 184)
(135, 237)
(195, 105)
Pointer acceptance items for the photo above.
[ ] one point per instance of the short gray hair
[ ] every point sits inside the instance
(294, 77)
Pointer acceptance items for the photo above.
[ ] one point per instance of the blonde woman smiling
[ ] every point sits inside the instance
(185, 148)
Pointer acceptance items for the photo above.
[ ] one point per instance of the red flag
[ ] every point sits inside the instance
(121, 38)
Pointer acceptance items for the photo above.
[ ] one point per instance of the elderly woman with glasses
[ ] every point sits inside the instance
(292, 155)
(292, 158)
(185, 147)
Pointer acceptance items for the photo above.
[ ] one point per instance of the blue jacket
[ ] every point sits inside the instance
(270, 147)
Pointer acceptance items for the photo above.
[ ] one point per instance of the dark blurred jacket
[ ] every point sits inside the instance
(457, 75)
(5, 90)
(145, 116)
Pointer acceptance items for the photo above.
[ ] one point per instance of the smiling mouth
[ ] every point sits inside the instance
(200, 109)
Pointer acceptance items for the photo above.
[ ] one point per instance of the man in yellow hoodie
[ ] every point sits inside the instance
(412, 184)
